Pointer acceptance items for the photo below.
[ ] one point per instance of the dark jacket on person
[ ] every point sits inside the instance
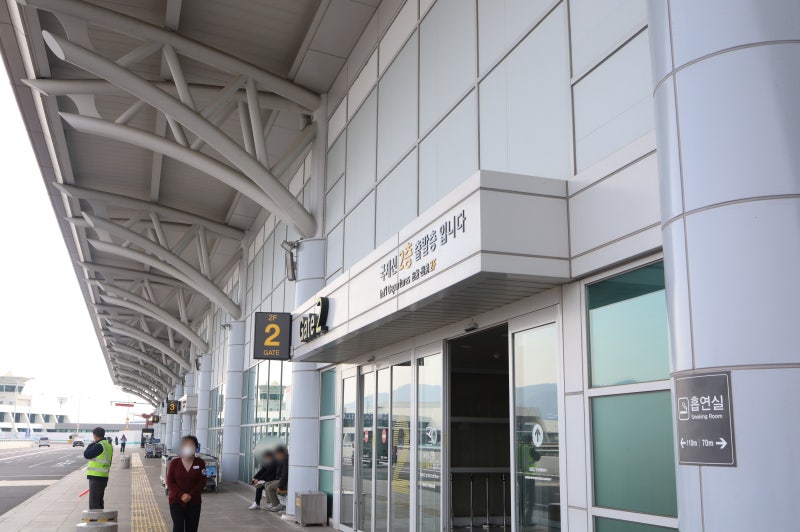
(93, 450)
(268, 472)
(282, 473)
(180, 481)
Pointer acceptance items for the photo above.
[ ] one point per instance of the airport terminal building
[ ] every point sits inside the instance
(519, 264)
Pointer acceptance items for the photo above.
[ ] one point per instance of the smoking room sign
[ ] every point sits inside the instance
(705, 420)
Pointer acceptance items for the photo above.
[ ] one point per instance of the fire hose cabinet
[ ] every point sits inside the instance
(311, 508)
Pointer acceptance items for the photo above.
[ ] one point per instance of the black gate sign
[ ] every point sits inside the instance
(705, 419)
(173, 407)
(272, 336)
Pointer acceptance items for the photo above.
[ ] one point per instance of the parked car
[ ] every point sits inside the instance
(44, 441)
(77, 442)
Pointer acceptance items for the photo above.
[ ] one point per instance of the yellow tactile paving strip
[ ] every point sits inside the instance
(145, 516)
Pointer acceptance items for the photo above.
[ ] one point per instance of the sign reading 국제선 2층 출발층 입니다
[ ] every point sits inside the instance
(417, 258)
(705, 419)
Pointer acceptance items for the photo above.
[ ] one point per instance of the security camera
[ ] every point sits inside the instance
(288, 246)
(471, 326)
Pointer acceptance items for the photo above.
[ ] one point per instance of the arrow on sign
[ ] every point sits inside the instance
(683, 443)
(722, 443)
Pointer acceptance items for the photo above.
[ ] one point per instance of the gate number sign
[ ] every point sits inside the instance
(272, 336)
(705, 420)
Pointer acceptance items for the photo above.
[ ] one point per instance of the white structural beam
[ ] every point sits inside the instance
(150, 207)
(156, 313)
(201, 286)
(118, 272)
(155, 388)
(134, 378)
(200, 161)
(144, 371)
(218, 95)
(141, 394)
(287, 207)
(188, 47)
(206, 286)
(306, 138)
(137, 303)
(122, 349)
(131, 332)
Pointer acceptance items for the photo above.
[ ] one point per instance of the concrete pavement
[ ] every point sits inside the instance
(137, 495)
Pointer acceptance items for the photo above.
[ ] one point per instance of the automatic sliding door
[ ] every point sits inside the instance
(429, 443)
(382, 454)
(367, 451)
(349, 459)
(400, 451)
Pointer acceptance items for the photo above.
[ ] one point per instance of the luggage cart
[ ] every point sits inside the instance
(158, 450)
(212, 472)
(149, 450)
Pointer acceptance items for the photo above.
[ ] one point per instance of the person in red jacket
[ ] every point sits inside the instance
(186, 479)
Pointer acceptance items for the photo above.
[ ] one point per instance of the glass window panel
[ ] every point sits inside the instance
(633, 458)
(381, 445)
(536, 436)
(628, 335)
(348, 451)
(429, 447)
(367, 450)
(262, 393)
(401, 448)
(327, 394)
(249, 407)
(273, 391)
(327, 428)
(326, 486)
(286, 390)
(603, 524)
(614, 103)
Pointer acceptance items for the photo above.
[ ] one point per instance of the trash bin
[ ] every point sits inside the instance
(125, 462)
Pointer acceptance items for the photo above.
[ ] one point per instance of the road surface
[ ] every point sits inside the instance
(24, 472)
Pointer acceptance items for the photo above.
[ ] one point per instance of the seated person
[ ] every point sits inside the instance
(281, 484)
(266, 474)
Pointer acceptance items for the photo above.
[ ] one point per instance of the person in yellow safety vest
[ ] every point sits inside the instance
(99, 455)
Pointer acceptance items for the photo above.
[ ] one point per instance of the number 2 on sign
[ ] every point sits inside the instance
(273, 331)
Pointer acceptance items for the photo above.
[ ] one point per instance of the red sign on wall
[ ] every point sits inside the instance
(383, 436)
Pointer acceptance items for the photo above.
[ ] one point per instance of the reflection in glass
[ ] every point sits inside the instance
(367, 450)
(348, 450)
(628, 335)
(382, 451)
(602, 524)
(536, 436)
(400, 451)
(429, 447)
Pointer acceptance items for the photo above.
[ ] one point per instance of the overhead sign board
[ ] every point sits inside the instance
(173, 407)
(155, 419)
(272, 336)
(129, 405)
(315, 323)
(705, 420)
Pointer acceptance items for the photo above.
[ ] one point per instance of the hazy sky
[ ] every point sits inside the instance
(46, 329)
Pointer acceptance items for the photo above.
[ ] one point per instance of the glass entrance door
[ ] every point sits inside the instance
(537, 481)
(367, 454)
(349, 458)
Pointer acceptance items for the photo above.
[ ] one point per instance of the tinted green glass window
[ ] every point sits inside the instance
(602, 524)
(327, 429)
(327, 396)
(326, 486)
(628, 335)
(634, 463)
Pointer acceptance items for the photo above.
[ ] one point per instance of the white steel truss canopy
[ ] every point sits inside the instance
(167, 135)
